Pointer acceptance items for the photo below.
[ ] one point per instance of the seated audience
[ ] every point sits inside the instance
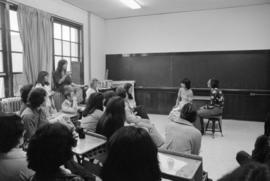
(132, 156)
(25, 90)
(34, 115)
(92, 112)
(93, 88)
(261, 152)
(131, 116)
(138, 110)
(70, 104)
(107, 96)
(46, 155)
(249, 172)
(13, 164)
(43, 82)
(216, 103)
(181, 135)
(185, 95)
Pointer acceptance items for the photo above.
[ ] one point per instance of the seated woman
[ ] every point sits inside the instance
(25, 90)
(132, 156)
(46, 155)
(261, 152)
(34, 115)
(70, 104)
(92, 112)
(216, 103)
(92, 89)
(181, 135)
(107, 96)
(13, 164)
(114, 118)
(185, 95)
(138, 110)
(43, 82)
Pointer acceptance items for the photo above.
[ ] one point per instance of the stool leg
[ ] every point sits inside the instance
(213, 127)
(206, 128)
(220, 127)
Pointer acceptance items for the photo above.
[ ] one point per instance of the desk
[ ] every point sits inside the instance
(190, 166)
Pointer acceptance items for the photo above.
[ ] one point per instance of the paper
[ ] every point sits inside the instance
(170, 165)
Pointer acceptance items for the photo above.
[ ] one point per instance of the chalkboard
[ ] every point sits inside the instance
(234, 69)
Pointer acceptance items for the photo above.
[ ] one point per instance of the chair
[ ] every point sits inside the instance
(214, 120)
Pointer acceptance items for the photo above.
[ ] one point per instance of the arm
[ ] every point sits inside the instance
(178, 98)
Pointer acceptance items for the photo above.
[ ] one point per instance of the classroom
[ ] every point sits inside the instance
(134, 90)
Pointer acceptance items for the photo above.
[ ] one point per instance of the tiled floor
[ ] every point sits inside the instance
(219, 153)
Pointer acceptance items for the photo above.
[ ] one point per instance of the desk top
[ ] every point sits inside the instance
(203, 98)
(178, 166)
(87, 144)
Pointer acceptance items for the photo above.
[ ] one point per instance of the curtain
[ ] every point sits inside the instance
(36, 33)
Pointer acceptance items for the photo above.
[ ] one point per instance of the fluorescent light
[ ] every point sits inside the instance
(131, 3)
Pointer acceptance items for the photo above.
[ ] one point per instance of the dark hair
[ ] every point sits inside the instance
(186, 82)
(36, 97)
(41, 78)
(60, 65)
(132, 156)
(49, 148)
(113, 117)
(249, 172)
(188, 112)
(121, 92)
(261, 152)
(267, 125)
(25, 90)
(214, 83)
(11, 130)
(95, 101)
(127, 86)
(107, 96)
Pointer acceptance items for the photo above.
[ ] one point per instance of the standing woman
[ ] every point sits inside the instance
(43, 82)
(215, 107)
(61, 78)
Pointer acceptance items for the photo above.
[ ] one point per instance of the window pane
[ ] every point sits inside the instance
(1, 48)
(16, 42)
(57, 30)
(66, 48)
(19, 80)
(1, 62)
(74, 50)
(2, 87)
(69, 63)
(57, 47)
(74, 35)
(66, 32)
(56, 60)
(17, 62)
(13, 20)
(74, 59)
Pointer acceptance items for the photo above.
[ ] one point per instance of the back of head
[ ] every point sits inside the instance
(132, 156)
(107, 96)
(188, 112)
(95, 101)
(25, 90)
(261, 152)
(113, 118)
(11, 131)
(49, 148)
(36, 97)
(127, 86)
(249, 172)
(121, 92)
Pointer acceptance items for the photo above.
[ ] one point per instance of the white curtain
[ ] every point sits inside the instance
(36, 34)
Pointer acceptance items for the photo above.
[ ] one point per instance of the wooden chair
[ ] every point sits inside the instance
(214, 120)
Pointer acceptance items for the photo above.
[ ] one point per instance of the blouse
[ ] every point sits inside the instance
(60, 87)
(90, 122)
(216, 98)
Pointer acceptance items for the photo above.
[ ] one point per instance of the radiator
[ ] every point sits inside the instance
(11, 104)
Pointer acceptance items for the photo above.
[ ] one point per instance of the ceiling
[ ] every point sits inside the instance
(111, 9)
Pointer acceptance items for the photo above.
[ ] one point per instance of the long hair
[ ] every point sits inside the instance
(127, 86)
(41, 78)
(132, 156)
(95, 101)
(113, 118)
(214, 83)
(60, 65)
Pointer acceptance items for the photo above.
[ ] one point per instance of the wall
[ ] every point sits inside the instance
(69, 12)
(243, 28)
(97, 49)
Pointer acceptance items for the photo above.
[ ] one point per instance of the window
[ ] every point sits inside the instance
(67, 42)
(11, 52)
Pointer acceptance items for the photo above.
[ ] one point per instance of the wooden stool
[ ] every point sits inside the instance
(214, 119)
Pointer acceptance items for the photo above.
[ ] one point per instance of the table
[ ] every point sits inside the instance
(180, 167)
